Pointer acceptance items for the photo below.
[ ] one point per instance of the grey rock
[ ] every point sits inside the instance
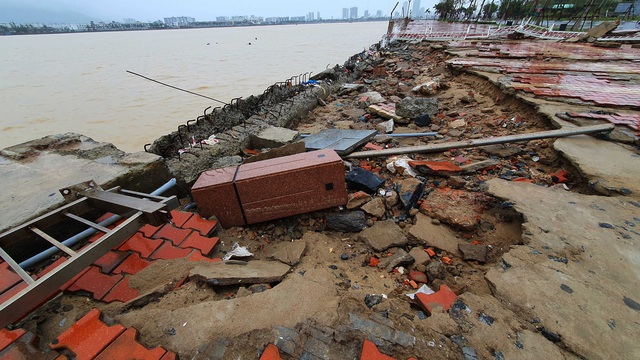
(419, 255)
(383, 235)
(288, 252)
(380, 331)
(351, 221)
(435, 270)
(415, 107)
(400, 257)
(473, 252)
(375, 208)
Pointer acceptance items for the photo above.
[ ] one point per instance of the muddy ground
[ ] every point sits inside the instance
(334, 296)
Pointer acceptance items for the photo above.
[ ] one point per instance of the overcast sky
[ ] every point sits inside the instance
(149, 10)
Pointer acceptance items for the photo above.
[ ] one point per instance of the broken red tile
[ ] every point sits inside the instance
(173, 234)
(202, 243)
(559, 177)
(370, 146)
(141, 245)
(95, 282)
(447, 260)
(204, 226)
(444, 297)
(87, 337)
(168, 252)
(436, 165)
(126, 346)
(178, 218)
(132, 265)
(373, 262)
(430, 252)
(197, 256)
(271, 352)
(26, 348)
(9, 336)
(110, 261)
(522, 179)
(8, 278)
(413, 284)
(370, 352)
(121, 292)
(148, 230)
(418, 276)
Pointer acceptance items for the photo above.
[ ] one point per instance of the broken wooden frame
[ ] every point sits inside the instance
(593, 129)
(138, 208)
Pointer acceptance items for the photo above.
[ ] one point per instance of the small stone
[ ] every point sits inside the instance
(551, 336)
(383, 235)
(435, 270)
(371, 300)
(631, 303)
(333, 267)
(473, 252)
(400, 257)
(456, 182)
(344, 257)
(606, 225)
(418, 276)
(375, 208)
(352, 221)
(566, 289)
(435, 221)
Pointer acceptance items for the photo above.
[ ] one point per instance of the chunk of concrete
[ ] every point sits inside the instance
(399, 257)
(473, 252)
(234, 272)
(383, 235)
(288, 252)
(420, 256)
(375, 207)
(459, 208)
(438, 236)
(273, 137)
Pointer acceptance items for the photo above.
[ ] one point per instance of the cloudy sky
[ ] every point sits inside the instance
(149, 10)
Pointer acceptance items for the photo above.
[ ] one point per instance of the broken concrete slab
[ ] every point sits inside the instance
(471, 168)
(609, 167)
(459, 208)
(415, 107)
(286, 150)
(383, 235)
(33, 172)
(234, 272)
(420, 256)
(272, 137)
(599, 263)
(375, 207)
(288, 252)
(473, 252)
(438, 236)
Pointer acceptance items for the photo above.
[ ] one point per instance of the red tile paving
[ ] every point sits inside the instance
(87, 337)
(95, 282)
(110, 261)
(14, 290)
(168, 252)
(7, 337)
(178, 218)
(204, 226)
(170, 356)
(173, 234)
(202, 243)
(148, 230)
(26, 348)
(126, 346)
(271, 352)
(132, 265)
(8, 278)
(444, 297)
(370, 352)
(121, 292)
(141, 245)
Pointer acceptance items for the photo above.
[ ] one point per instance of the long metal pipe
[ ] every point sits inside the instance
(86, 233)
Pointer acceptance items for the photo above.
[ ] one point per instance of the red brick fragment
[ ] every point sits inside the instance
(126, 346)
(178, 218)
(373, 262)
(271, 352)
(121, 292)
(418, 276)
(132, 265)
(202, 243)
(204, 226)
(7, 337)
(110, 261)
(87, 337)
(370, 352)
(173, 234)
(141, 245)
(95, 282)
(444, 297)
(168, 252)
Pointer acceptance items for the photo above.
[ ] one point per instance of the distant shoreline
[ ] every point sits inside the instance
(29, 29)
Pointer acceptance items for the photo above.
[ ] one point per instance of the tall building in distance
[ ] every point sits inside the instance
(379, 13)
(415, 12)
(353, 13)
(366, 14)
(311, 16)
(318, 16)
(345, 13)
(405, 8)
(178, 21)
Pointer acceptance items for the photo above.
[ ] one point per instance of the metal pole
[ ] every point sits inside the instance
(481, 142)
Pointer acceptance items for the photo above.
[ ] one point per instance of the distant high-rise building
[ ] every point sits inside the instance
(379, 13)
(405, 8)
(222, 18)
(318, 16)
(345, 13)
(353, 14)
(366, 14)
(415, 12)
(178, 21)
(311, 16)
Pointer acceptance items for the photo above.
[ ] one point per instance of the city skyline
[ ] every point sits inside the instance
(201, 10)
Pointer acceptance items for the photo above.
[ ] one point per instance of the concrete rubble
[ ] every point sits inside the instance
(527, 250)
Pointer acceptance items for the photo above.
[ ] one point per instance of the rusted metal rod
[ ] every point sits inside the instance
(567, 131)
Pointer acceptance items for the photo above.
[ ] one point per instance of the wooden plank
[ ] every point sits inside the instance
(482, 142)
